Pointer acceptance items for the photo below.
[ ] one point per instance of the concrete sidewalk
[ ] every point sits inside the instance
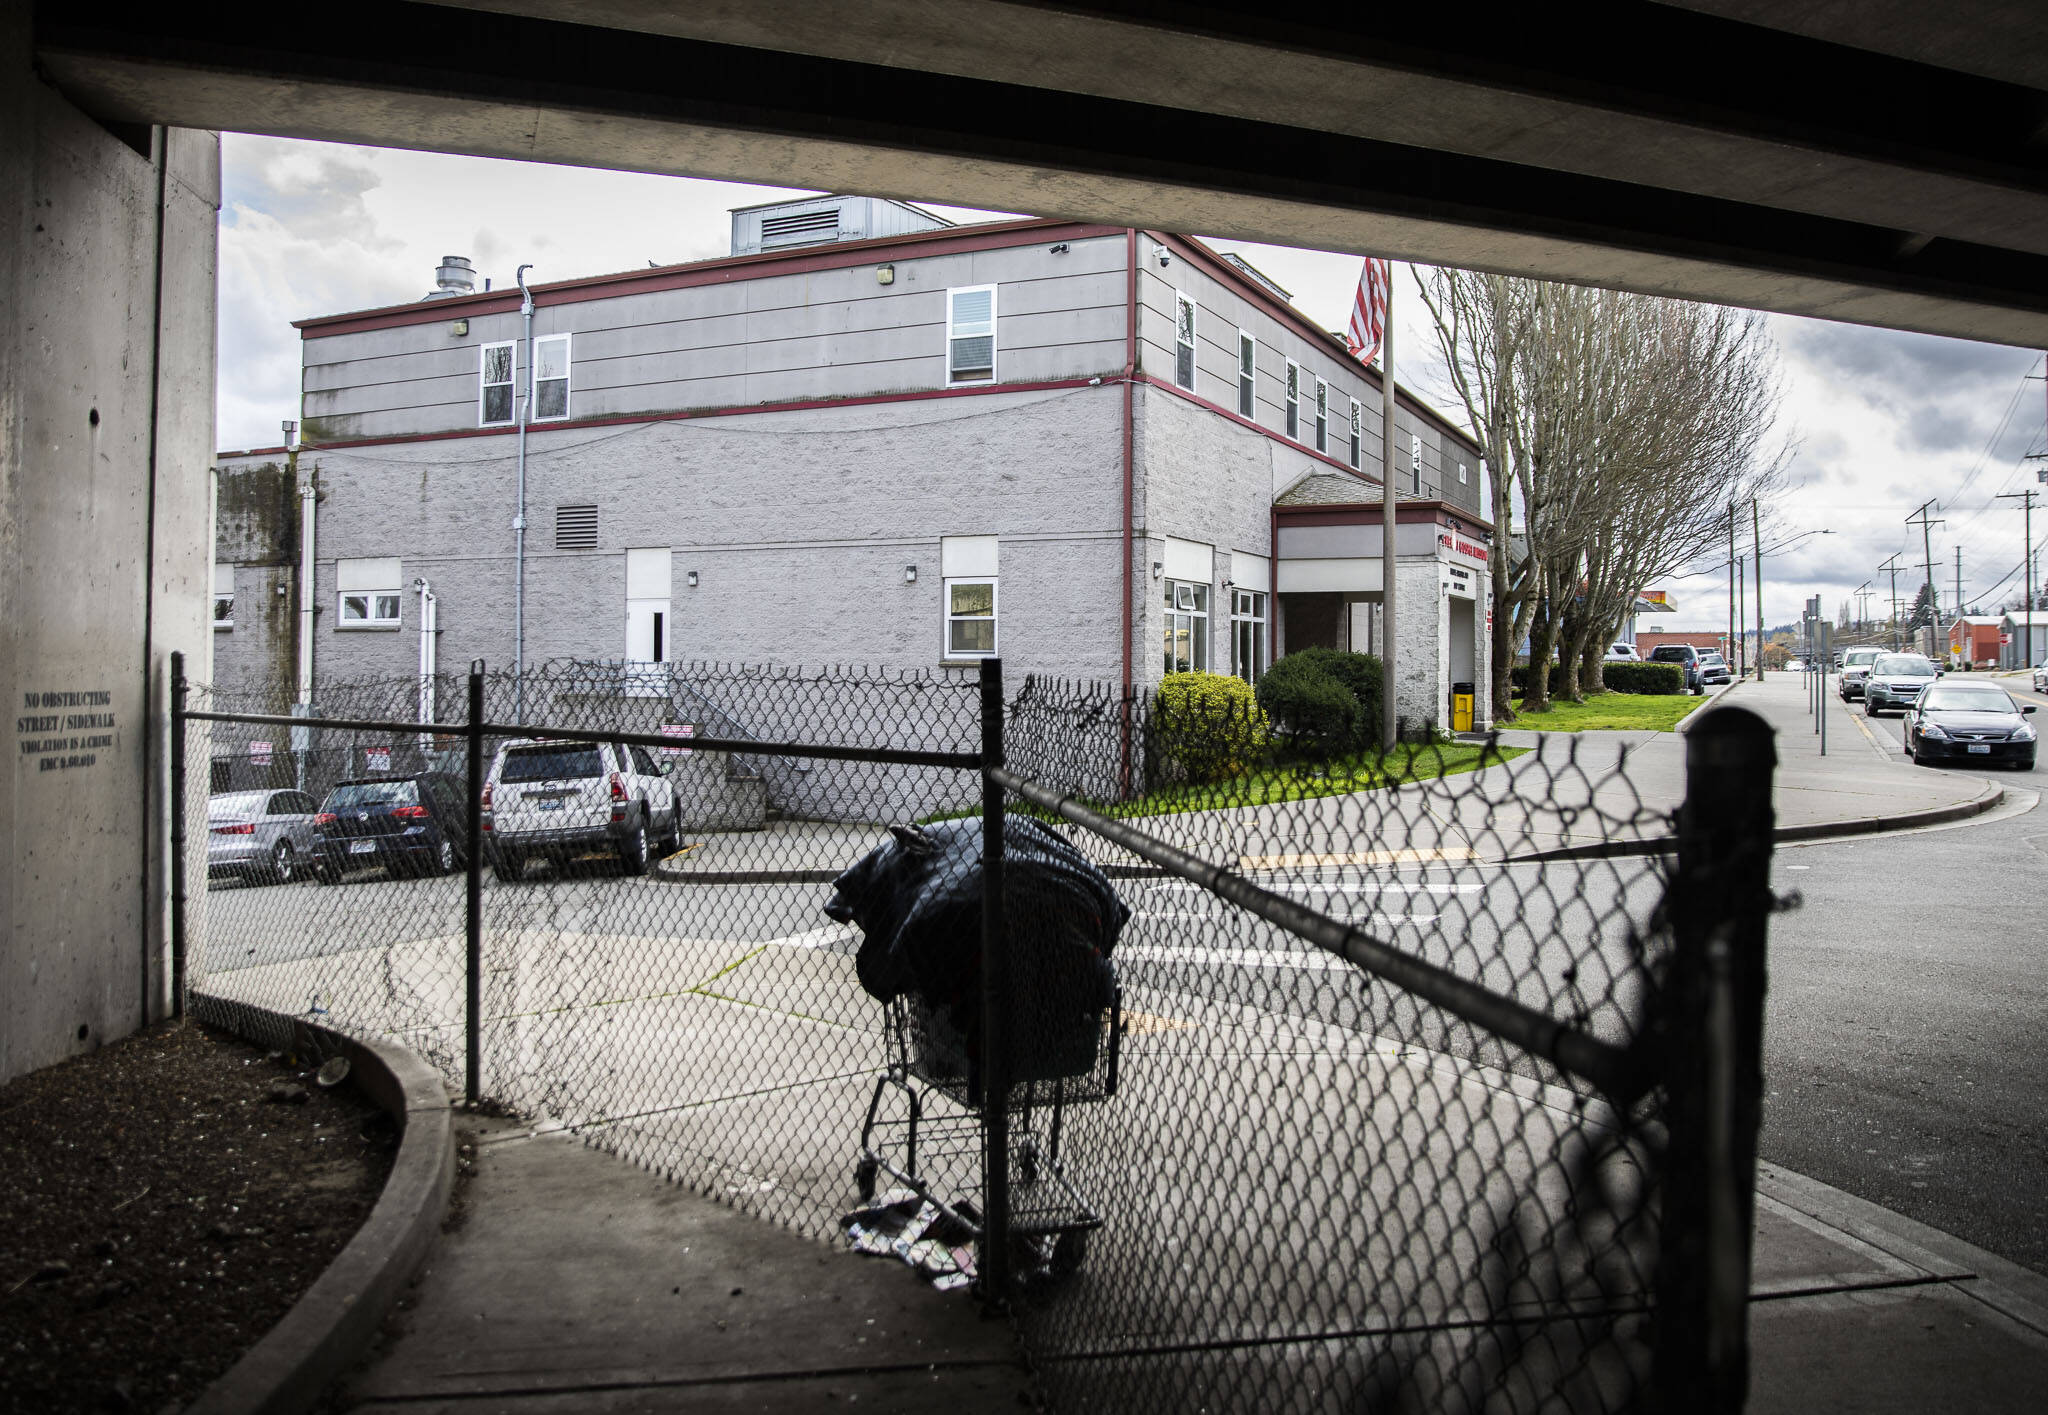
(572, 1280)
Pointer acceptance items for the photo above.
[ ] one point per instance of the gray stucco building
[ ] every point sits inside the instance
(1097, 451)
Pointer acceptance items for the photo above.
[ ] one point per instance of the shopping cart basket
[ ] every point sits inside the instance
(924, 1122)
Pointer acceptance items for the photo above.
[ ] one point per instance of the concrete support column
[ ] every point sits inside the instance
(106, 438)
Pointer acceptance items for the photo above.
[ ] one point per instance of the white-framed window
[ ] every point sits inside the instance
(1322, 416)
(1464, 474)
(1294, 400)
(1357, 435)
(551, 378)
(1183, 341)
(1248, 634)
(967, 567)
(223, 596)
(494, 395)
(370, 592)
(1247, 374)
(971, 334)
(1187, 627)
(1415, 462)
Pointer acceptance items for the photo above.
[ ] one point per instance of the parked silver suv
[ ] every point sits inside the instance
(1895, 681)
(570, 799)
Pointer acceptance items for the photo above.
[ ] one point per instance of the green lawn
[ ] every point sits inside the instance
(1367, 771)
(1608, 712)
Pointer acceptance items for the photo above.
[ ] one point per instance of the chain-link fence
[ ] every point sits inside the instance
(1331, 1078)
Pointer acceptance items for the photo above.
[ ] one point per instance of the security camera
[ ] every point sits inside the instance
(1165, 257)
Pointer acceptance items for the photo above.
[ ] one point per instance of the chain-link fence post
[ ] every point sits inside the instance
(1721, 902)
(177, 862)
(473, 909)
(994, 1258)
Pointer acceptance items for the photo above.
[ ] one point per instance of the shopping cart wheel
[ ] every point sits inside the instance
(864, 1179)
(1069, 1251)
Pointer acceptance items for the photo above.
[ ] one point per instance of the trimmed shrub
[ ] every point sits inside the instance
(1654, 679)
(1205, 727)
(1326, 700)
(1318, 714)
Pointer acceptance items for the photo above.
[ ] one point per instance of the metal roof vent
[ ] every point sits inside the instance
(453, 276)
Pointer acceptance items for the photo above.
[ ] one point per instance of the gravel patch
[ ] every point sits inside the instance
(163, 1202)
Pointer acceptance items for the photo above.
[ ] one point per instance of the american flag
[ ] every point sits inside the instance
(1369, 311)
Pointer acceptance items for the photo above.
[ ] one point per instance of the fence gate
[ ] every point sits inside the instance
(1423, 1081)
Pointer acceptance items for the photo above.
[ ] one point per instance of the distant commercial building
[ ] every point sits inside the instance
(866, 436)
(1973, 640)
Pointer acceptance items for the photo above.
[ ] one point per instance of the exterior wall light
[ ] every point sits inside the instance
(909, 574)
(885, 275)
(1158, 568)
(459, 329)
(693, 579)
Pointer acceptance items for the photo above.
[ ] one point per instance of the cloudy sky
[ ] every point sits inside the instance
(1881, 421)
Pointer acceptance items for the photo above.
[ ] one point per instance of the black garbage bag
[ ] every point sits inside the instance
(917, 900)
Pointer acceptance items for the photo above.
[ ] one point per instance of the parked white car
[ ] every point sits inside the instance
(1622, 653)
(564, 800)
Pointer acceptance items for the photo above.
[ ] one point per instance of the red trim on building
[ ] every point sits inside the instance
(838, 255)
(1363, 513)
(693, 415)
(255, 452)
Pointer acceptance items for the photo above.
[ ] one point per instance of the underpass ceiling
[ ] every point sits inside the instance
(1643, 145)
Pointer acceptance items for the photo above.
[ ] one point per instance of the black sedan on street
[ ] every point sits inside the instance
(1977, 722)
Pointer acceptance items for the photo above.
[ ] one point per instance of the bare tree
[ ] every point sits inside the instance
(1620, 426)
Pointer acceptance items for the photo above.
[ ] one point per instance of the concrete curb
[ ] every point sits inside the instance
(335, 1319)
(2006, 1287)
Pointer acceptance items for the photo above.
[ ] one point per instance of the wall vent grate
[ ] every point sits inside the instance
(575, 528)
(800, 227)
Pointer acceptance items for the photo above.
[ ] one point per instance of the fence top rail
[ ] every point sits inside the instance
(1620, 1073)
(743, 746)
(895, 756)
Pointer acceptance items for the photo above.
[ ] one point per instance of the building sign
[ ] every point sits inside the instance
(65, 730)
(259, 753)
(677, 729)
(376, 759)
(1458, 545)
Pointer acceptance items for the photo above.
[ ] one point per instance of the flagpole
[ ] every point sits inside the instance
(1388, 523)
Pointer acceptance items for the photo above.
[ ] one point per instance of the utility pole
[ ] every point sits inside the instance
(1959, 581)
(2026, 500)
(1756, 547)
(1927, 562)
(1742, 618)
(1891, 567)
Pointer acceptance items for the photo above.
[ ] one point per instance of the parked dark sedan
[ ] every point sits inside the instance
(1976, 722)
(410, 825)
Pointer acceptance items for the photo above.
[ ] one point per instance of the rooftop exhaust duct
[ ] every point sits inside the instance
(453, 276)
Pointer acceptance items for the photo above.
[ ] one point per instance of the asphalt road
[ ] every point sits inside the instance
(1906, 1041)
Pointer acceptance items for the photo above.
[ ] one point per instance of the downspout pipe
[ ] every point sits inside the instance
(309, 516)
(524, 399)
(427, 627)
(1129, 380)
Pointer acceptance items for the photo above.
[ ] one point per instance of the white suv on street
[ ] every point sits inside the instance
(568, 799)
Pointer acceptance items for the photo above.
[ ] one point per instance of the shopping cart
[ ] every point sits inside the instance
(924, 1121)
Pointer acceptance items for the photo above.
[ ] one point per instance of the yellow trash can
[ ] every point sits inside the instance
(1461, 707)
